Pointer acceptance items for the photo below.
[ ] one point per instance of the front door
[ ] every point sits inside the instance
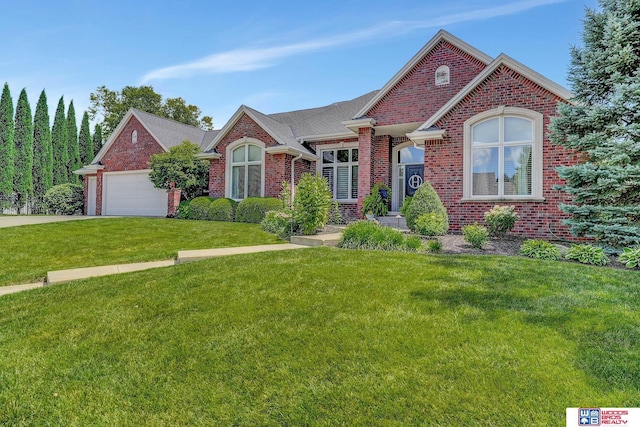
(414, 177)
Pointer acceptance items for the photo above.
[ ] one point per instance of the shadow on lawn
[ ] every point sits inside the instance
(606, 332)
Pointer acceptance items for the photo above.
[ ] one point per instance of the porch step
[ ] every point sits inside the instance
(394, 220)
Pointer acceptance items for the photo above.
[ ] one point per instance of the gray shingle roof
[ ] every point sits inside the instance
(171, 133)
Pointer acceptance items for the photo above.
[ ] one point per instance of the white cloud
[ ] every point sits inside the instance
(250, 59)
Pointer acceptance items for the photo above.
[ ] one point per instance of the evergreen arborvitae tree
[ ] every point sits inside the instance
(23, 159)
(97, 140)
(6, 147)
(72, 144)
(85, 143)
(60, 143)
(42, 152)
(603, 126)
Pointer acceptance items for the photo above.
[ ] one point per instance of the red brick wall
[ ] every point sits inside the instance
(416, 98)
(444, 159)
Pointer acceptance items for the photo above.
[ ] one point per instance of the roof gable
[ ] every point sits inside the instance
(473, 57)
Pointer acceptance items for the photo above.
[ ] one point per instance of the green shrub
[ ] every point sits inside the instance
(222, 210)
(278, 223)
(501, 219)
(630, 257)
(311, 203)
(335, 215)
(253, 209)
(425, 200)
(199, 207)
(434, 246)
(371, 235)
(405, 205)
(374, 203)
(540, 249)
(475, 234)
(431, 224)
(413, 243)
(587, 254)
(65, 199)
(183, 210)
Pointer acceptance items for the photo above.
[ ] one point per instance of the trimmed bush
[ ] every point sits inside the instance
(371, 235)
(413, 243)
(431, 224)
(199, 208)
(278, 223)
(405, 205)
(254, 209)
(434, 246)
(540, 249)
(376, 204)
(311, 203)
(425, 200)
(183, 210)
(65, 199)
(587, 254)
(222, 210)
(630, 257)
(475, 234)
(501, 219)
(335, 215)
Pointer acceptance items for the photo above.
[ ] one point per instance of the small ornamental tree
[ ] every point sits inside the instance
(603, 127)
(426, 200)
(42, 152)
(6, 146)
(311, 203)
(23, 159)
(180, 166)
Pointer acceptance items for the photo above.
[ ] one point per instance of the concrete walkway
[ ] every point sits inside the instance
(18, 220)
(60, 276)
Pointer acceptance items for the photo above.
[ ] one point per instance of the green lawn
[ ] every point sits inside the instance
(28, 252)
(324, 337)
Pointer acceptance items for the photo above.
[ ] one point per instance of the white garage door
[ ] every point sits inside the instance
(131, 193)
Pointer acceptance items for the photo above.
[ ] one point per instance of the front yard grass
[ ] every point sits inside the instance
(28, 252)
(324, 337)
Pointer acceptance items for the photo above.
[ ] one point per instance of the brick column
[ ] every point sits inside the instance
(99, 193)
(173, 199)
(365, 151)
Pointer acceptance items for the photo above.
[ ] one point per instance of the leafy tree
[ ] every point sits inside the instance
(42, 152)
(60, 143)
(85, 143)
(111, 106)
(602, 126)
(97, 140)
(6, 146)
(23, 159)
(72, 144)
(311, 203)
(180, 166)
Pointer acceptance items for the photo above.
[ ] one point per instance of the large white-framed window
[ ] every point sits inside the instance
(503, 155)
(245, 169)
(339, 165)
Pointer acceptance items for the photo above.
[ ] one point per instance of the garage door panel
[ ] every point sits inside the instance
(133, 194)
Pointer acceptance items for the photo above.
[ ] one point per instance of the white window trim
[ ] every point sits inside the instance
(228, 163)
(537, 152)
(338, 146)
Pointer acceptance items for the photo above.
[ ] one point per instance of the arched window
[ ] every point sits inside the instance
(503, 155)
(442, 75)
(134, 137)
(246, 171)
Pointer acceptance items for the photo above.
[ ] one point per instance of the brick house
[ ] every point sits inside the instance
(472, 125)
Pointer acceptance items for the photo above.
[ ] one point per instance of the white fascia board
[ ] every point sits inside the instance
(328, 137)
(285, 149)
(420, 136)
(88, 169)
(516, 66)
(356, 124)
(431, 44)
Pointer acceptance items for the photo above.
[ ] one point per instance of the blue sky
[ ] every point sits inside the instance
(273, 56)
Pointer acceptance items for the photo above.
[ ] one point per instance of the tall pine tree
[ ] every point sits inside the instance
(6, 147)
(42, 152)
(60, 143)
(97, 139)
(72, 144)
(85, 143)
(603, 126)
(23, 159)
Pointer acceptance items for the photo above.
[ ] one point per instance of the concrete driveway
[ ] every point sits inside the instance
(17, 220)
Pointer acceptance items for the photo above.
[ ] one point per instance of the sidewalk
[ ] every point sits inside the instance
(60, 276)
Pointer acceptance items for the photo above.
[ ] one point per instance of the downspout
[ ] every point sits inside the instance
(293, 177)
